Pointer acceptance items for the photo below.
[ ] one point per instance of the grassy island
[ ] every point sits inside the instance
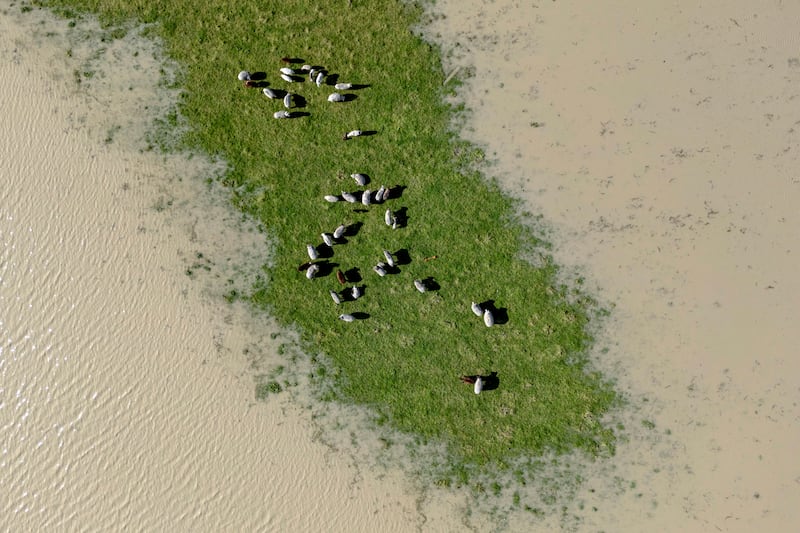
(404, 354)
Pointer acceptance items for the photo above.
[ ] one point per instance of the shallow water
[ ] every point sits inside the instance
(665, 166)
(660, 144)
(127, 394)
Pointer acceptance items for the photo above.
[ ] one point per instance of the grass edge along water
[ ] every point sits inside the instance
(405, 353)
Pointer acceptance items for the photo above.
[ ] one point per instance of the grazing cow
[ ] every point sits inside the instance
(476, 381)
(379, 194)
(477, 309)
(353, 133)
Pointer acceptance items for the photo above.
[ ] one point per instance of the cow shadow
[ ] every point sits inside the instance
(353, 275)
(396, 192)
(391, 270)
(431, 284)
(298, 101)
(402, 217)
(325, 268)
(325, 251)
(352, 229)
(402, 257)
(279, 93)
(491, 382)
(500, 314)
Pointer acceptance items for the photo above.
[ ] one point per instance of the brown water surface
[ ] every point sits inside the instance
(126, 385)
(660, 142)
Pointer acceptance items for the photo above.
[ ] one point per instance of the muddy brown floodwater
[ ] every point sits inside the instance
(126, 385)
(660, 142)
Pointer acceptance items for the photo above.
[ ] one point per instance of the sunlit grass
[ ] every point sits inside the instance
(405, 359)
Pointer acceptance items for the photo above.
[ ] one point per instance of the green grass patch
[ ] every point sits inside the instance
(404, 360)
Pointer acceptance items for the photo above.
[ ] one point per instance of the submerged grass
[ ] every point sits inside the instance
(404, 360)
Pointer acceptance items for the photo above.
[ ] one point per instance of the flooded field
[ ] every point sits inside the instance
(127, 380)
(660, 147)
